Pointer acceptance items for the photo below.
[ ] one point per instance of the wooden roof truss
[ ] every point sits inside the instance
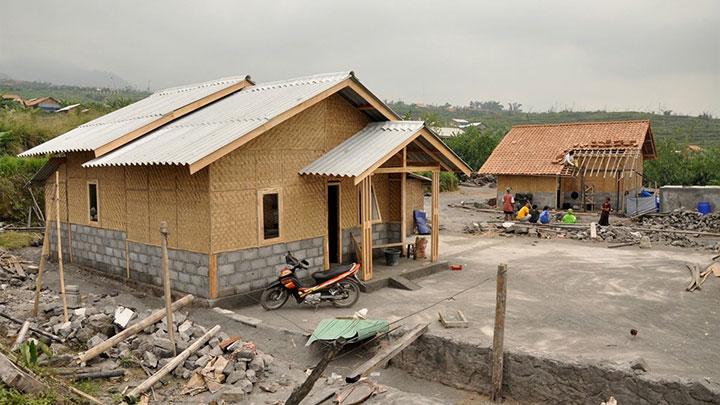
(608, 162)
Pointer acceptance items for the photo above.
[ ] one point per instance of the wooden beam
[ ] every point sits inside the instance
(407, 169)
(372, 100)
(366, 224)
(365, 107)
(403, 210)
(435, 230)
(212, 276)
(59, 245)
(372, 169)
(386, 354)
(171, 116)
(499, 335)
(446, 151)
(433, 155)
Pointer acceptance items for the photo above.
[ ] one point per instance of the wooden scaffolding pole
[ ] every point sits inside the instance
(366, 219)
(41, 269)
(435, 231)
(166, 285)
(403, 205)
(59, 245)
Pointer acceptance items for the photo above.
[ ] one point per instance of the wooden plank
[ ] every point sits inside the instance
(435, 230)
(20, 336)
(407, 169)
(385, 355)
(403, 205)
(12, 376)
(212, 276)
(499, 335)
(41, 269)
(446, 151)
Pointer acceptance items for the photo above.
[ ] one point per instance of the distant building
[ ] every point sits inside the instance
(448, 132)
(44, 103)
(68, 108)
(13, 97)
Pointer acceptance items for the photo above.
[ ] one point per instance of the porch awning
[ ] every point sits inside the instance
(359, 155)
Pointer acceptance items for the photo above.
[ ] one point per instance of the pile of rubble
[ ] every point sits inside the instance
(479, 180)
(683, 219)
(14, 271)
(223, 361)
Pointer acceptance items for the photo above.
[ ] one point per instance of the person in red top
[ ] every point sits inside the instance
(508, 202)
(605, 213)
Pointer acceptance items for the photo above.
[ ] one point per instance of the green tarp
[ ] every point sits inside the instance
(353, 330)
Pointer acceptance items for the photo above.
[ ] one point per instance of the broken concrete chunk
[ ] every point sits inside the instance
(216, 351)
(123, 316)
(80, 312)
(214, 342)
(233, 394)
(234, 377)
(163, 343)
(257, 364)
(185, 328)
(251, 375)
(150, 360)
(639, 364)
(96, 340)
(268, 387)
(227, 342)
(202, 361)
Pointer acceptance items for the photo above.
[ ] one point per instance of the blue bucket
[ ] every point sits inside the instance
(704, 207)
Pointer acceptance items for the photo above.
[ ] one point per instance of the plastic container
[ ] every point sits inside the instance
(392, 257)
(704, 207)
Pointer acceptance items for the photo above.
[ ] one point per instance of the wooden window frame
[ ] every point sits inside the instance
(261, 216)
(97, 201)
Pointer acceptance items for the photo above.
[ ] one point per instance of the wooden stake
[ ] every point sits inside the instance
(166, 285)
(168, 368)
(59, 246)
(41, 268)
(435, 230)
(132, 330)
(498, 335)
(20, 336)
(301, 392)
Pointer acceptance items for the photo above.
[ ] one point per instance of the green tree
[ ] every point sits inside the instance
(474, 146)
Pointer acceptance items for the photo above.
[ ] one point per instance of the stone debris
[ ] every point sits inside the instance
(683, 219)
(123, 316)
(479, 180)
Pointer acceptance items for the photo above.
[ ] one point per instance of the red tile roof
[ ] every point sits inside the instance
(534, 149)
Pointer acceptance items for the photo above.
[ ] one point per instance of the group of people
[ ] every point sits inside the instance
(529, 212)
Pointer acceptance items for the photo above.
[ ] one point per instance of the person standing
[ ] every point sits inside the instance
(605, 213)
(508, 202)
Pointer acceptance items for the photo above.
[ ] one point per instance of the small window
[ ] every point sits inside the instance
(375, 207)
(270, 215)
(93, 210)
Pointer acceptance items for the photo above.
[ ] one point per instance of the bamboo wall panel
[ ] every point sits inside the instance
(381, 184)
(349, 203)
(162, 207)
(77, 200)
(234, 224)
(137, 215)
(342, 121)
(162, 177)
(136, 178)
(50, 202)
(395, 199)
(193, 221)
(233, 172)
(111, 197)
(415, 201)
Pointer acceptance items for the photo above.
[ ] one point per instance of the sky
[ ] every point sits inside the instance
(641, 55)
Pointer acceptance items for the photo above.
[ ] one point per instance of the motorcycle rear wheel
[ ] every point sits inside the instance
(274, 297)
(351, 294)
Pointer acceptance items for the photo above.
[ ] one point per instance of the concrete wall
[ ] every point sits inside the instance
(104, 250)
(246, 270)
(382, 233)
(674, 197)
(537, 379)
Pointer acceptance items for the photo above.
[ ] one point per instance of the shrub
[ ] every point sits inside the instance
(448, 181)
(14, 196)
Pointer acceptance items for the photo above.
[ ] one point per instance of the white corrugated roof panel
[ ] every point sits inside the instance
(364, 149)
(196, 135)
(114, 125)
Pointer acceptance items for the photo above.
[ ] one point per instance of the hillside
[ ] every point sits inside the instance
(700, 130)
(71, 94)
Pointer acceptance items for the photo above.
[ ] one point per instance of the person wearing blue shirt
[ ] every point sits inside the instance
(545, 215)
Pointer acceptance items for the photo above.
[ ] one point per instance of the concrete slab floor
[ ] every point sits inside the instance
(566, 299)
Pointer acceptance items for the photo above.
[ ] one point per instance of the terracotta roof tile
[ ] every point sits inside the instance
(533, 149)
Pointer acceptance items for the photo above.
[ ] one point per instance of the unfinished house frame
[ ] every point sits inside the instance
(242, 173)
(608, 162)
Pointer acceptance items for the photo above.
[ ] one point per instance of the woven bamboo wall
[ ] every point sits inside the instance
(273, 160)
(136, 199)
(349, 202)
(395, 198)
(381, 184)
(415, 201)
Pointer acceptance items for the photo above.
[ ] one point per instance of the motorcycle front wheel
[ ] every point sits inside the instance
(274, 297)
(350, 294)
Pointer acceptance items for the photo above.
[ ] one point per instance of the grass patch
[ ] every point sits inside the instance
(10, 396)
(15, 240)
(88, 386)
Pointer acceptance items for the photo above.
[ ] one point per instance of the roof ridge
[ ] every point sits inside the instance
(308, 79)
(560, 124)
(192, 86)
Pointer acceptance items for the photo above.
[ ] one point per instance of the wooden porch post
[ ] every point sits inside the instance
(435, 231)
(366, 219)
(403, 204)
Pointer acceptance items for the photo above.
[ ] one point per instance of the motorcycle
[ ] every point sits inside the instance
(339, 286)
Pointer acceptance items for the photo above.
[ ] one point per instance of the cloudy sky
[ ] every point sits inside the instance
(615, 55)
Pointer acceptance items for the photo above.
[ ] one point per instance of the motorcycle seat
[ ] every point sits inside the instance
(327, 275)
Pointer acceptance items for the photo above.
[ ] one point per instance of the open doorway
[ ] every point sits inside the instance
(333, 222)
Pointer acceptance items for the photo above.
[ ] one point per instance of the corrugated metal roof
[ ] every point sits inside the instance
(362, 150)
(114, 125)
(202, 132)
(534, 149)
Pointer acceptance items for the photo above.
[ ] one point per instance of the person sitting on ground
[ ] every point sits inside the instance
(508, 202)
(524, 213)
(569, 217)
(545, 215)
(605, 213)
(534, 214)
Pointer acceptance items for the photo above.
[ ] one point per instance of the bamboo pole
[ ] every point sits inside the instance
(435, 230)
(59, 246)
(498, 335)
(132, 330)
(180, 359)
(299, 393)
(41, 267)
(166, 285)
(32, 328)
